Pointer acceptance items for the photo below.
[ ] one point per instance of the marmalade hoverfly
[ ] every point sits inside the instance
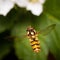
(33, 36)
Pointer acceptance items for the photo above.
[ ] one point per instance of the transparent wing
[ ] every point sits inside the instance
(47, 30)
(15, 37)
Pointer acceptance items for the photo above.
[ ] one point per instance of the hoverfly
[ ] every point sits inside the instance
(33, 36)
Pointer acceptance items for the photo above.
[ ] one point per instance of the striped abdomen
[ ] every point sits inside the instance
(35, 44)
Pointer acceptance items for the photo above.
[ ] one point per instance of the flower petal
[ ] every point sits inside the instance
(36, 9)
(42, 1)
(21, 3)
(5, 6)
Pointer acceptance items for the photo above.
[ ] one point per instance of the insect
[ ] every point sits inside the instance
(33, 36)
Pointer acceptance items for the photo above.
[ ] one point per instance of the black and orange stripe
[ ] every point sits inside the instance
(35, 44)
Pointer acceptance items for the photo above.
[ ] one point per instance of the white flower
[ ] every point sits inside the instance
(5, 6)
(35, 6)
(21, 3)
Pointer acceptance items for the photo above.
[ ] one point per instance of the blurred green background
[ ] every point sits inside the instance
(15, 24)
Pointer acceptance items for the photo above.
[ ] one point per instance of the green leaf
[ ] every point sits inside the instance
(54, 42)
(53, 38)
(22, 44)
(48, 43)
(52, 7)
